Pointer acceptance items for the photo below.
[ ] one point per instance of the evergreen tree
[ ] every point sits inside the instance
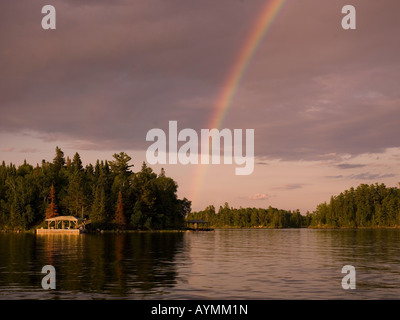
(68, 164)
(120, 168)
(77, 163)
(52, 209)
(59, 160)
(77, 196)
(98, 213)
(120, 219)
(121, 165)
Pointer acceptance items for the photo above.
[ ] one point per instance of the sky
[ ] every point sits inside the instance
(323, 101)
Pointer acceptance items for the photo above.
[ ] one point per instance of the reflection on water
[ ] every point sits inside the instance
(90, 266)
(225, 264)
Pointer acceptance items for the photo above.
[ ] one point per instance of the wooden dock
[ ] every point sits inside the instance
(58, 231)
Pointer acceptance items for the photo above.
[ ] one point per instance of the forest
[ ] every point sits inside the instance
(372, 205)
(113, 196)
(108, 193)
(251, 217)
(366, 206)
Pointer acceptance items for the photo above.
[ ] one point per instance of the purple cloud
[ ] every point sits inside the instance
(110, 73)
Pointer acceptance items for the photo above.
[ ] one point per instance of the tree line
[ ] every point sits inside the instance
(372, 205)
(109, 193)
(112, 196)
(251, 217)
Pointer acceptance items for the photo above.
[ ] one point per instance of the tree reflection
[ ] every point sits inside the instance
(130, 265)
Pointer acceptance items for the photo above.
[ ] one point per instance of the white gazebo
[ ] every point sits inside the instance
(64, 224)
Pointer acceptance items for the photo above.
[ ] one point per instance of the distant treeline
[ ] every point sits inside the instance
(110, 194)
(366, 206)
(251, 217)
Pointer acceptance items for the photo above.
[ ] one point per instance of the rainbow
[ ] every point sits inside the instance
(263, 23)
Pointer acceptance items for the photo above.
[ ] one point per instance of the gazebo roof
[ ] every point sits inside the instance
(65, 218)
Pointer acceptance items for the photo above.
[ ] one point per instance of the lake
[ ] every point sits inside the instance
(225, 264)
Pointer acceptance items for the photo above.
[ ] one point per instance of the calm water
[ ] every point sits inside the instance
(225, 264)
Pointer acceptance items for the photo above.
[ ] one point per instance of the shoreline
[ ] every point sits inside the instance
(33, 231)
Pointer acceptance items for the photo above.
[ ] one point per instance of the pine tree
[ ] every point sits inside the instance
(59, 160)
(97, 169)
(77, 163)
(98, 212)
(68, 164)
(76, 198)
(120, 219)
(120, 165)
(52, 210)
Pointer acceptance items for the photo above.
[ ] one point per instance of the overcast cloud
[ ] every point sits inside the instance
(114, 70)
